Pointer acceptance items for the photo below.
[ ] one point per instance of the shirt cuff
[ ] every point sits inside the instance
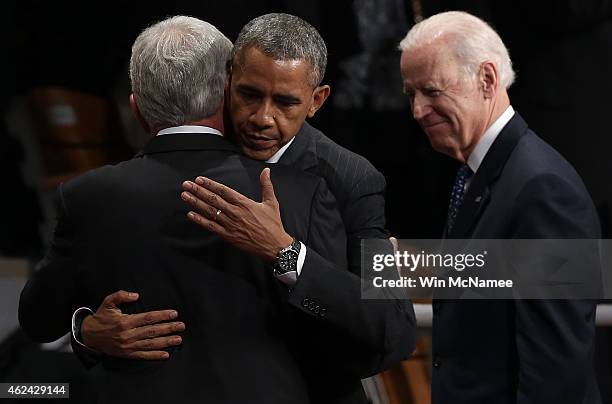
(290, 278)
(301, 259)
(79, 314)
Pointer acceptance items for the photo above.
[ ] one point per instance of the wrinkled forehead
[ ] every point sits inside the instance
(430, 62)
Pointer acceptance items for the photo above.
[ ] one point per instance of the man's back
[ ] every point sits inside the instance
(125, 227)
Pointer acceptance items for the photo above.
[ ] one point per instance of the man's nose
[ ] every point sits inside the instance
(263, 117)
(420, 107)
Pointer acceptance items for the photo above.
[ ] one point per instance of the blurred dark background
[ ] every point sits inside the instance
(64, 109)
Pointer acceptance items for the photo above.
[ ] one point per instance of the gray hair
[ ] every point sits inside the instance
(284, 37)
(472, 40)
(178, 70)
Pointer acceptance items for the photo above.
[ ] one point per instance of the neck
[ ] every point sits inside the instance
(500, 105)
(214, 121)
(497, 107)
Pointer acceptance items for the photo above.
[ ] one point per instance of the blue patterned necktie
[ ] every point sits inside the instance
(463, 175)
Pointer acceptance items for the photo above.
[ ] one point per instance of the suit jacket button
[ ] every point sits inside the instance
(305, 302)
(437, 362)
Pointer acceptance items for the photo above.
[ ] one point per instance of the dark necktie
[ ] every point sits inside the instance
(463, 175)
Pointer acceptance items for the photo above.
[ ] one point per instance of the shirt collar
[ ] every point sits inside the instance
(484, 144)
(280, 152)
(207, 129)
(189, 129)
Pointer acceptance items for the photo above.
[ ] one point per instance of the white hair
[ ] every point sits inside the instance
(178, 71)
(472, 40)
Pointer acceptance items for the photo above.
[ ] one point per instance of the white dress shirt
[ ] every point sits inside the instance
(485, 142)
(189, 129)
(280, 152)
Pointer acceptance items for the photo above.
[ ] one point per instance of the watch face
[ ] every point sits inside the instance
(287, 261)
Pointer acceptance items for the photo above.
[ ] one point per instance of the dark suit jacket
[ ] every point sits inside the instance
(358, 187)
(522, 351)
(359, 191)
(246, 340)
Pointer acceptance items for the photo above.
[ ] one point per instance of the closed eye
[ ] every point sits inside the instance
(409, 93)
(287, 101)
(248, 92)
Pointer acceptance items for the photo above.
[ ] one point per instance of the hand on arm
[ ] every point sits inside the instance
(133, 336)
(254, 227)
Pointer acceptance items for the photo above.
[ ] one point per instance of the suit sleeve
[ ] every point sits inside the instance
(555, 338)
(369, 334)
(49, 297)
(364, 215)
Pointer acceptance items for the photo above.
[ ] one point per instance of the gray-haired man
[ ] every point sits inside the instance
(511, 185)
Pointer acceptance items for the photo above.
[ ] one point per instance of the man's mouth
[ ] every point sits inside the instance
(258, 141)
(429, 125)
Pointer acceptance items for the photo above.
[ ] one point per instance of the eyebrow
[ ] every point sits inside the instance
(248, 89)
(289, 99)
(429, 85)
(285, 98)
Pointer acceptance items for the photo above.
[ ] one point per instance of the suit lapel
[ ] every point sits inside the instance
(186, 142)
(302, 153)
(478, 194)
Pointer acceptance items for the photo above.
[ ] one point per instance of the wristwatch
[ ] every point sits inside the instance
(287, 258)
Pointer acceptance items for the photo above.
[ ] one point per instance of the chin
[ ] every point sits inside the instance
(438, 142)
(261, 155)
(442, 145)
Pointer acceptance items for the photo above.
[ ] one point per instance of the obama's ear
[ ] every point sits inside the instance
(319, 96)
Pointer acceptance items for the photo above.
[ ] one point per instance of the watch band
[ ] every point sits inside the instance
(77, 322)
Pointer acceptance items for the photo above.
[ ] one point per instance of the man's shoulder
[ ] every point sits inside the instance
(333, 153)
(97, 178)
(534, 165)
(86, 195)
(535, 158)
(340, 165)
(539, 180)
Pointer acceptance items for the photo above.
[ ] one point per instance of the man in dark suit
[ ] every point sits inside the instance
(511, 185)
(276, 83)
(278, 63)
